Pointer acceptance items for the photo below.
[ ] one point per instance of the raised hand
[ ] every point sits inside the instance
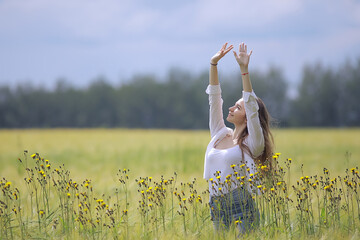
(243, 58)
(222, 52)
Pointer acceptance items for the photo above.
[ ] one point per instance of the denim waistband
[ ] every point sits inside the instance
(241, 193)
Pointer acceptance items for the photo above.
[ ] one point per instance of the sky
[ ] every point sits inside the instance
(42, 41)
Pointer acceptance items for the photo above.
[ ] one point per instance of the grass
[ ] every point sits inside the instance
(98, 154)
(161, 152)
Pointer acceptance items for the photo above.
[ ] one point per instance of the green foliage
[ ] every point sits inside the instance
(328, 97)
(325, 97)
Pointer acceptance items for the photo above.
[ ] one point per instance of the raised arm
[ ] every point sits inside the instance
(255, 139)
(243, 59)
(213, 75)
(216, 121)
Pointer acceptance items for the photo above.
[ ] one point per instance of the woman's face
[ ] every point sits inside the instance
(237, 113)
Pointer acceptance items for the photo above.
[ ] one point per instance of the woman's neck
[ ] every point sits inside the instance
(238, 129)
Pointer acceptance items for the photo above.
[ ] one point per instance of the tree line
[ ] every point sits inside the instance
(325, 97)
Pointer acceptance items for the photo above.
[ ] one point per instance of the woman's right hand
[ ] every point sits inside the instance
(222, 52)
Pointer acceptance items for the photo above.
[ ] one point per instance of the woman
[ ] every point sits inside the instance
(232, 156)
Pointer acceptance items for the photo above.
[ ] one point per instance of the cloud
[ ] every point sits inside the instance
(83, 38)
(252, 14)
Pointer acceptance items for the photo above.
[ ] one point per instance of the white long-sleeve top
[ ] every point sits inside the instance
(222, 159)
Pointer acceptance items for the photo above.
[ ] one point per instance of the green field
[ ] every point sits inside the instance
(98, 154)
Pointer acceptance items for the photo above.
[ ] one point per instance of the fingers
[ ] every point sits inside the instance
(243, 48)
(225, 50)
(235, 54)
(228, 49)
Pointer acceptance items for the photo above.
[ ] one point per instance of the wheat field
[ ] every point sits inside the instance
(99, 154)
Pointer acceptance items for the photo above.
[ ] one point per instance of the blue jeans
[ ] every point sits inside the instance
(236, 205)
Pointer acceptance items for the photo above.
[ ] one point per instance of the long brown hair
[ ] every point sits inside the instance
(265, 118)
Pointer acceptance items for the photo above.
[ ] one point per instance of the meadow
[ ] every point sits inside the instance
(124, 164)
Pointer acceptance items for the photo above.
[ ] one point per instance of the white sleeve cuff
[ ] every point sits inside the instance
(213, 89)
(246, 95)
